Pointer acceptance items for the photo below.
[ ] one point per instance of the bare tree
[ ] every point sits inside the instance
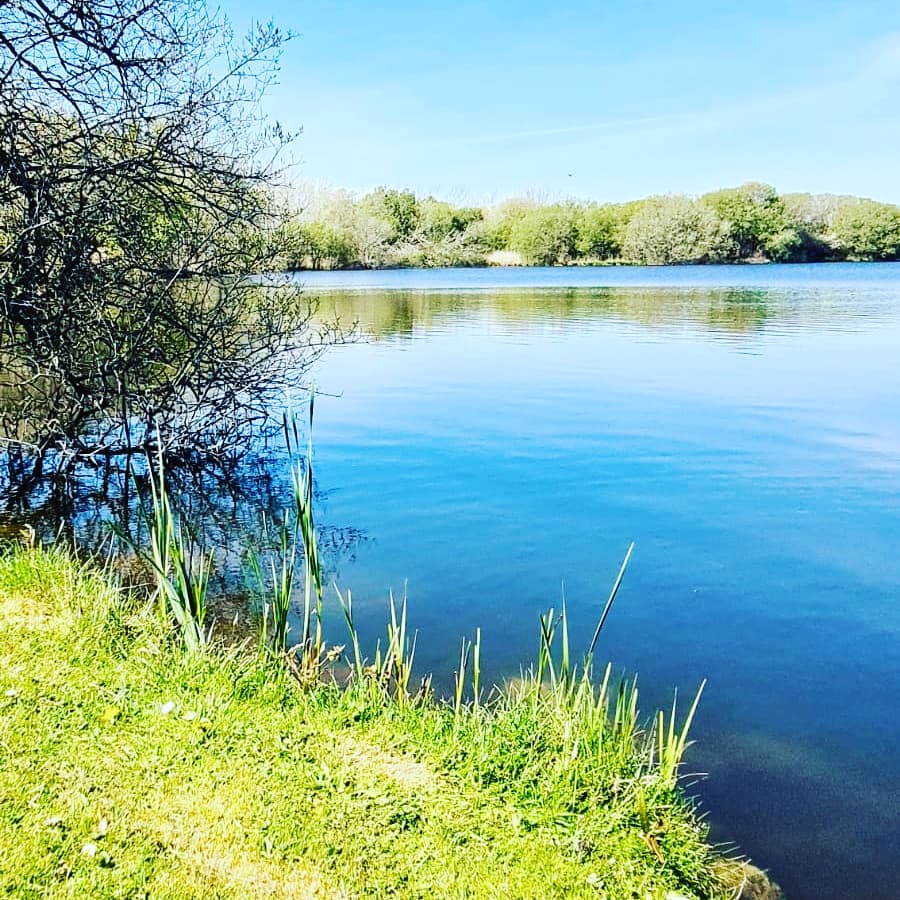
(134, 216)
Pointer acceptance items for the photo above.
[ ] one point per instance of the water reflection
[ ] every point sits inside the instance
(224, 505)
(498, 442)
(722, 312)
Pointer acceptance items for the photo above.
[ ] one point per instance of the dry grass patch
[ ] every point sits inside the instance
(401, 769)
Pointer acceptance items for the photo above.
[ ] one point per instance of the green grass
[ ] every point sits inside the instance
(132, 768)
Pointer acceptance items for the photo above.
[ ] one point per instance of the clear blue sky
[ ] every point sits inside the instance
(609, 101)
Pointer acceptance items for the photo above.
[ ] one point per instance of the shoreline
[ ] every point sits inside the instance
(141, 744)
(604, 264)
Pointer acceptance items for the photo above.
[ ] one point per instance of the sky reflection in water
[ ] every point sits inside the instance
(496, 444)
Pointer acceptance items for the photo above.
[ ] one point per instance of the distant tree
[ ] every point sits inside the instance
(813, 213)
(500, 219)
(360, 229)
(788, 245)
(867, 230)
(387, 227)
(676, 230)
(466, 216)
(438, 219)
(599, 231)
(372, 237)
(757, 219)
(444, 236)
(545, 235)
(812, 216)
(317, 245)
(399, 209)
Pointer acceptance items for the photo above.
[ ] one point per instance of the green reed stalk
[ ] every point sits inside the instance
(609, 600)
(545, 652)
(302, 483)
(476, 669)
(565, 667)
(460, 678)
(277, 591)
(359, 664)
(181, 579)
(398, 662)
(671, 744)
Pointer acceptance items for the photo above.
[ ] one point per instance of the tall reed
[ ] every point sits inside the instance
(671, 743)
(296, 536)
(277, 589)
(180, 569)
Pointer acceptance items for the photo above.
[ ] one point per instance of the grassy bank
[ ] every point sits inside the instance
(132, 768)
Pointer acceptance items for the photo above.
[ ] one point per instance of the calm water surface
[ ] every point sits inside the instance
(500, 434)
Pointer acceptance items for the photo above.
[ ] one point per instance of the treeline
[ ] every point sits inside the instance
(753, 222)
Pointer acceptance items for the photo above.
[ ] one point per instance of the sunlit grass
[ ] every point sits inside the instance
(130, 768)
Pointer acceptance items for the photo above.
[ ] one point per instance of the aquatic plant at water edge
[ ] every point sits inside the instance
(180, 569)
(555, 731)
(296, 536)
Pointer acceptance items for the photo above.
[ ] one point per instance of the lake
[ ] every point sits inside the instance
(500, 436)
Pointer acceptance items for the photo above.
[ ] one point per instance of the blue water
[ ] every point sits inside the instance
(807, 276)
(501, 434)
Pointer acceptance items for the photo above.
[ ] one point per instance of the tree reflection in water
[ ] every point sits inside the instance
(84, 505)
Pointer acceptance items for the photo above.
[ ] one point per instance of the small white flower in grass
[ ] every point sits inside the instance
(89, 850)
(12, 692)
(189, 716)
(166, 708)
(594, 879)
(53, 820)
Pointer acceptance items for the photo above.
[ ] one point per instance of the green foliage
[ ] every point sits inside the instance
(399, 209)
(672, 743)
(438, 220)
(750, 222)
(179, 568)
(317, 245)
(296, 534)
(500, 220)
(757, 220)
(545, 235)
(600, 231)
(676, 230)
(454, 250)
(866, 230)
(361, 231)
(813, 213)
(789, 245)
